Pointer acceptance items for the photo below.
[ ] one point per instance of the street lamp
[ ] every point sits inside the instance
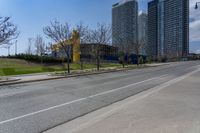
(196, 6)
(16, 47)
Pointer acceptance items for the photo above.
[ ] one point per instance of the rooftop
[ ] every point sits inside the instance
(123, 2)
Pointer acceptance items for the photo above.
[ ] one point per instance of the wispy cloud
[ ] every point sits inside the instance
(194, 22)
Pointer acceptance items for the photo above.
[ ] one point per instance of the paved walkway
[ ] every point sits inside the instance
(173, 107)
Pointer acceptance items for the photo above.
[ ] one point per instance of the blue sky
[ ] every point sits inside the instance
(32, 15)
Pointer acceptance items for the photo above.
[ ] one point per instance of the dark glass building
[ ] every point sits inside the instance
(168, 28)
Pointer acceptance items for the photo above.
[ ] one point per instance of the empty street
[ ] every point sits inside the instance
(37, 107)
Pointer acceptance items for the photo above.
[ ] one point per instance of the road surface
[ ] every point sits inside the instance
(36, 107)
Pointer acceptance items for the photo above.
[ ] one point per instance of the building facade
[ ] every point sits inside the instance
(152, 28)
(89, 51)
(124, 22)
(168, 28)
(142, 31)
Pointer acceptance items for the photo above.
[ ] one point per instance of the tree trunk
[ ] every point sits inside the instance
(98, 63)
(68, 60)
(138, 60)
(81, 65)
(98, 59)
(41, 58)
(123, 62)
(68, 64)
(127, 59)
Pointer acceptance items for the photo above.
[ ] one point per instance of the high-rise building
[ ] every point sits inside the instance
(142, 31)
(124, 22)
(168, 28)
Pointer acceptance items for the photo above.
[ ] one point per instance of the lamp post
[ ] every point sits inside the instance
(196, 6)
(16, 47)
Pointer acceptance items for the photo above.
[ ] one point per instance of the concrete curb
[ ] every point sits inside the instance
(10, 80)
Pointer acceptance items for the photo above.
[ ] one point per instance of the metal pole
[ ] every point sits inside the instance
(16, 47)
(8, 50)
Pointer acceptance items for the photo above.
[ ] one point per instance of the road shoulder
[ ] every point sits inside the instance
(171, 107)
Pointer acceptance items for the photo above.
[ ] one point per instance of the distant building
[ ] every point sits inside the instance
(142, 31)
(124, 22)
(88, 51)
(107, 52)
(168, 28)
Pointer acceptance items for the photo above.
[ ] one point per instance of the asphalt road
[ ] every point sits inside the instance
(36, 107)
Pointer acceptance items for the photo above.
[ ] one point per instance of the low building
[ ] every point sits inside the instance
(89, 52)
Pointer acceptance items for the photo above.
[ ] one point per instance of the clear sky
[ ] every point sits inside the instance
(32, 15)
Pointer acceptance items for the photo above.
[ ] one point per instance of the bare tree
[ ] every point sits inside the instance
(8, 31)
(40, 45)
(125, 48)
(100, 35)
(29, 50)
(83, 32)
(8, 46)
(137, 48)
(119, 43)
(60, 33)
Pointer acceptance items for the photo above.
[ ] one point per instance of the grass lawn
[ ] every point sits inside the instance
(18, 67)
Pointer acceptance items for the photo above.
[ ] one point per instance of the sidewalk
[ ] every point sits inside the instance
(173, 107)
(51, 76)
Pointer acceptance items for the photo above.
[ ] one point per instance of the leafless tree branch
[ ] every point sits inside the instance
(100, 35)
(60, 33)
(8, 31)
(83, 32)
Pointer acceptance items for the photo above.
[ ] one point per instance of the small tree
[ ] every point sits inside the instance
(121, 50)
(60, 33)
(125, 49)
(29, 50)
(83, 33)
(8, 31)
(137, 47)
(40, 47)
(100, 35)
(121, 58)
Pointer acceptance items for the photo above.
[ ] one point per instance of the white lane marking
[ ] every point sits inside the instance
(119, 106)
(78, 100)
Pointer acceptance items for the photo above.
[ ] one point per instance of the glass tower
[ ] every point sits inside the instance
(124, 22)
(168, 34)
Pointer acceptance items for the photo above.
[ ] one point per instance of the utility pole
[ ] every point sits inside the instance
(16, 47)
(9, 50)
